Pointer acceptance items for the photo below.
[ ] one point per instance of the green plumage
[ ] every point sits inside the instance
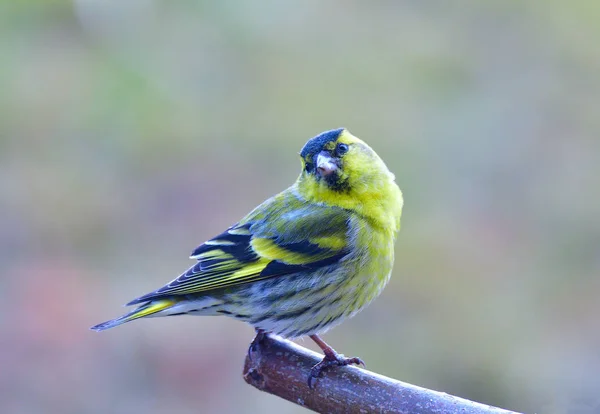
(303, 260)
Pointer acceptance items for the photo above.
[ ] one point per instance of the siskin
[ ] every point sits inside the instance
(302, 261)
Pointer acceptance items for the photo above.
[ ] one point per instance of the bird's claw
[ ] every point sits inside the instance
(260, 336)
(326, 362)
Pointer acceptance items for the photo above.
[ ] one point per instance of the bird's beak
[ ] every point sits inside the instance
(325, 164)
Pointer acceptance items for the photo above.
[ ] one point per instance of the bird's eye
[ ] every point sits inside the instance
(309, 167)
(341, 149)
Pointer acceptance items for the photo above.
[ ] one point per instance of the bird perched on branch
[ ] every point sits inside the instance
(302, 261)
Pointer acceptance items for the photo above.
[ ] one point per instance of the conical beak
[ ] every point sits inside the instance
(326, 165)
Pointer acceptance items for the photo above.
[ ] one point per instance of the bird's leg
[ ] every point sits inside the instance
(331, 358)
(260, 335)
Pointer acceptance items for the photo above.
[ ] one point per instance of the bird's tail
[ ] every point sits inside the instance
(146, 309)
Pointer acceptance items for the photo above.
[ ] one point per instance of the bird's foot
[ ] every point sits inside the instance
(330, 360)
(260, 336)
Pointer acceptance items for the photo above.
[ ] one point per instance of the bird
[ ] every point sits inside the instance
(302, 261)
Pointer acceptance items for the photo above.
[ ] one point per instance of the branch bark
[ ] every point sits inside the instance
(281, 368)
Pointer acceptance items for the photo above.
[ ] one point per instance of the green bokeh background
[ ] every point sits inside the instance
(132, 131)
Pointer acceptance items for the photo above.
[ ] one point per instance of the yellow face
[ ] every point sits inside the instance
(340, 162)
(341, 170)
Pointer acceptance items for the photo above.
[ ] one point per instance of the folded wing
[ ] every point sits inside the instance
(270, 242)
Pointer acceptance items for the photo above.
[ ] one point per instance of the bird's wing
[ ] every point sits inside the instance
(278, 238)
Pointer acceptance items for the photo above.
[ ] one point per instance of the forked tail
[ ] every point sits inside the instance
(146, 309)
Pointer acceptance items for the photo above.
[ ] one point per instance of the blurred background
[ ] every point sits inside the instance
(132, 131)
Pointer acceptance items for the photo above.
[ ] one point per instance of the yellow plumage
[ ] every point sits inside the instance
(303, 260)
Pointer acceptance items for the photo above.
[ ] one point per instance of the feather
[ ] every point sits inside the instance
(270, 242)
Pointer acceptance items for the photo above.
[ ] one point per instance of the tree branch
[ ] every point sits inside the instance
(281, 368)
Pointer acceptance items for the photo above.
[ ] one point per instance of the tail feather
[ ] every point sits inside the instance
(146, 309)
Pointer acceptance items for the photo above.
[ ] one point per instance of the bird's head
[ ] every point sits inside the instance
(341, 170)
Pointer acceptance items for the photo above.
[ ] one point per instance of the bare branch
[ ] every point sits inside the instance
(281, 368)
